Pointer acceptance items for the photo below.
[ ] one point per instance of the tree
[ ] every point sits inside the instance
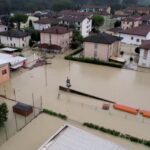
(62, 4)
(3, 114)
(77, 36)
(35, 35)
(77, 40)
(117, 24)
(97, 21)
(18, 18)
(30, 24)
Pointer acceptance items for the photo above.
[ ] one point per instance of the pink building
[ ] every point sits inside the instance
(57, 35)
(102, 46)
(4, 71)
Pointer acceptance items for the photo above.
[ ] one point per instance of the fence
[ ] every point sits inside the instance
(16, 122)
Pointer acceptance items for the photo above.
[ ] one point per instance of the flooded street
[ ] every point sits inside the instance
(123, 86)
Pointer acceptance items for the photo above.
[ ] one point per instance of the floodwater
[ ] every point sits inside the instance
(122, 86)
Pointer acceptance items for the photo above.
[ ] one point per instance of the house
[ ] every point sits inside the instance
(4, 71)
(139, 10)
(57, 35)
(144, 55)
(45, 23)
(135, 35)
(3, 27)
(15, 38)
(80, 20)
(102, 46)
(30, 19)
(96, 8)
(130, 22)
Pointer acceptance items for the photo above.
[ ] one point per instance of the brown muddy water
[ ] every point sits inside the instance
(123, 86)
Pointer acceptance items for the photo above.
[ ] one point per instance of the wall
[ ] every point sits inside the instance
(103, 51)
(7, 41)
(41, 27)
(5, 77)
(86, 27)
(130, 24)
(127, 39)
(32, 18)
(144, 62)
(62, 40)
(3, 28)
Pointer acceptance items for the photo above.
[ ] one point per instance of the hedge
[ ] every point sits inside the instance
(52, 113)
(118, 134)
(94, 61)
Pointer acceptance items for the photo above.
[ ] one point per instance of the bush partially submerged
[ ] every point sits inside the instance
(52, 113)
(118, 134)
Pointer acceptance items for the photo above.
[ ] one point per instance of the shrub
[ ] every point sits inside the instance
(94, 61)
(2, 46)
(3, 113)
(118, 134)
(52, 113)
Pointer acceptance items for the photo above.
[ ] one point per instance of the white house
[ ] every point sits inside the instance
(44, 23)
(135, 35)
(14, 38)
(144, 56)
(81, 23)
(26, 24)
(80, 20)
(3, 28)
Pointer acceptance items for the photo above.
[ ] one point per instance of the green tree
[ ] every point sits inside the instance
(77, 40)
(18, 18)
(97, 21)
(3, 113)
(62, 4)
(30, 24)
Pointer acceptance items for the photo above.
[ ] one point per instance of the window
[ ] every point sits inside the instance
(23, 45)
(5, 29)
(132, 38)
(23, 39)
(11, 38)
(4, 72)
(11, 44)
(137, 40)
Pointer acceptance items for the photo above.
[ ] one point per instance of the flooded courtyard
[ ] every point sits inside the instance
(122, 86)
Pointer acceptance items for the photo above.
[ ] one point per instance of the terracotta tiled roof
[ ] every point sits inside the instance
(47, 21)
(116, 30)
(145, 44)
(57, 30)
(140, 31)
